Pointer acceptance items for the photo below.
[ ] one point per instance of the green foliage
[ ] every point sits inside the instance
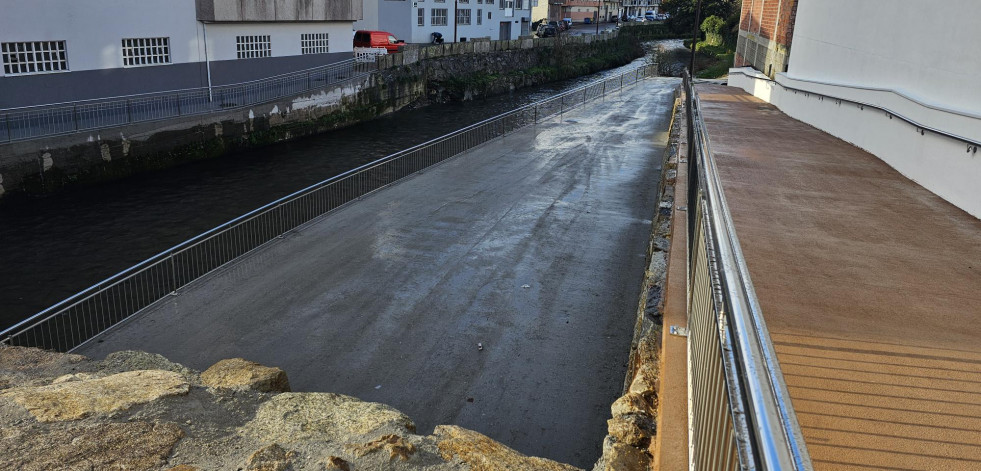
(682, 12)
(713, 24)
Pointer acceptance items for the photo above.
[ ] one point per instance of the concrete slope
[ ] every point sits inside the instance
(533, 246)
(869, 285)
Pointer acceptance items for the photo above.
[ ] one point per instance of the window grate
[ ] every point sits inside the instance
(249, 47)
(146, 51)
(314, 43)
(36, 57)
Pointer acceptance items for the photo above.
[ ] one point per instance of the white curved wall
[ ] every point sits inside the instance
(917, 59)
(925, 50)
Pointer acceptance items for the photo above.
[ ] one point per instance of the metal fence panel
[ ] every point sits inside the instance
(81, 317)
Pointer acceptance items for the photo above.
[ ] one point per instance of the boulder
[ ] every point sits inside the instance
(630, 403)
(241, 374)
(74, 400)
(634, 429)
(623, 457)
(481, 453)
(130, 445)
(295, 417)
(336, 463)
(131, 360)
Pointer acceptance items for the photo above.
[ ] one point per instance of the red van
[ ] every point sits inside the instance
(380, 39)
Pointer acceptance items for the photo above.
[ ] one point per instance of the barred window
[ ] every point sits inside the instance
(249, 47)
(463, 16)
(438, 17)
(314, 43)
(421, 14)
(480, 16)
(146, 51)
(34, 57)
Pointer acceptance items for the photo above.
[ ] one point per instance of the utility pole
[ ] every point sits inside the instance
(598, 3)
(694, 38)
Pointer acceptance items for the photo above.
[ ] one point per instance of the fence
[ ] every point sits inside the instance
(49, 120)
(740, 411)
(77, 319)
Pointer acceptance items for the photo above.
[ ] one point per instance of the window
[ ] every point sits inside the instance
(438, 17)
(314, 43)
(421, 14)
(463, 16)
(480, 16)
(34, 57)
(146, 51)
(440, 1)
(463, 1)
(518, 5)
(249, 47)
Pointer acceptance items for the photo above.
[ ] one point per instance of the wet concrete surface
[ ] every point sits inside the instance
(533, 246)
(869, 286)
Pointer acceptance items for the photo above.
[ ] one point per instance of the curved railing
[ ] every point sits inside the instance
(741, 414)
(32, 122)
(81, 317)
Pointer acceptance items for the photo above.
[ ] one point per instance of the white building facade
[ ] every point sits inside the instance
(64, 50)
(847, 55)
(457, 20)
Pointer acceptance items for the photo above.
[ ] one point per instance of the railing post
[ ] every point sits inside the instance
(6, 121)
(178, 97)
(129, 112)
(173, 275)
(75, 116)
(282, 222)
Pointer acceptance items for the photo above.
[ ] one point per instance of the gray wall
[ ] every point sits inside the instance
(90, 84)
(277, 10)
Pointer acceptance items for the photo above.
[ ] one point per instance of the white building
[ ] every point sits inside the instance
(457, 20)
(641, 7)
(866, 74)
(64, 50)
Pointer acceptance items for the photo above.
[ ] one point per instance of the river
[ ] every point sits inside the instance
(56, 245)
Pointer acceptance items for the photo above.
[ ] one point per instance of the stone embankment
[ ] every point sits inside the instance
(139, 411)
(416, 77)
(631, 443)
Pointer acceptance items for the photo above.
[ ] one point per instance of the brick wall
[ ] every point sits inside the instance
(766, 30)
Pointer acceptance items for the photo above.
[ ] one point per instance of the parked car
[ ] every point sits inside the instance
(546, 31)
(639, 19)
(379, 39)
(649, 17)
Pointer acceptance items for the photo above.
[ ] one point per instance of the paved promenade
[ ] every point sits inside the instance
(533, 246)
(870, 286)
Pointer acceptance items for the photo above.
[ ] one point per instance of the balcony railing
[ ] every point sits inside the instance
(741, 417)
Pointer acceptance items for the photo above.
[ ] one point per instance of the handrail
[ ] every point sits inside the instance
(775, 433)
(182, 90)
(914, 123)
(478, 130)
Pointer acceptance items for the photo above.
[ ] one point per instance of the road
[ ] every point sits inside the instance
(532, 246)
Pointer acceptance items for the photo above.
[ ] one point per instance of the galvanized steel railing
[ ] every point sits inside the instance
(81, 317)
(64, 118)
(741, 417)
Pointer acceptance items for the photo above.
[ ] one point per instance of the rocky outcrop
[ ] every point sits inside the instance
(69, 398)
(483, 454)
(70, 412)
(241, 374)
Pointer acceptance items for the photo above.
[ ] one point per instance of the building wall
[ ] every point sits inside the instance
(927, 74)
(400, 18)
(94, 29)
(765, 35)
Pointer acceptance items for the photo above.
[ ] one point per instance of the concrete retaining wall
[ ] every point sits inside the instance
(416, 76)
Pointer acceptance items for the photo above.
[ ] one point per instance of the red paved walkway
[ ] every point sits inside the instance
(870, 286)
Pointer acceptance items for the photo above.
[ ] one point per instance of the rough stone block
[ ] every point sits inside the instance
(241, 374)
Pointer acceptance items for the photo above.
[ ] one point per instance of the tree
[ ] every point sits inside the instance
(712, 27)
(682, 12)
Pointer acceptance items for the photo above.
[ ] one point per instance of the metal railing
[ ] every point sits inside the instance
(64, 118)
(79, 318)
(740, 412)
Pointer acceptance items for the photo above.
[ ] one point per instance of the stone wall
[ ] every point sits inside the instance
(415, 77)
